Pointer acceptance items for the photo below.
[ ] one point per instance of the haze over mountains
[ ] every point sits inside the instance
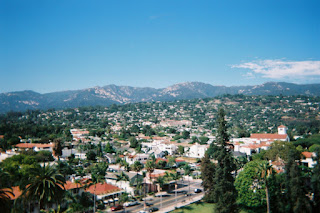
(112, 94)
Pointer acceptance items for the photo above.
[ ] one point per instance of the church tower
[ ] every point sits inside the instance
(282, 130)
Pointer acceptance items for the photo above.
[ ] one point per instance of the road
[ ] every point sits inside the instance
(167, 201)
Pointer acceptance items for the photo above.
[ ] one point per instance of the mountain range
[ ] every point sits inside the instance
(112, 94)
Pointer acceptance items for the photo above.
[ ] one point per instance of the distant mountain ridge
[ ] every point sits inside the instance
(112, 94)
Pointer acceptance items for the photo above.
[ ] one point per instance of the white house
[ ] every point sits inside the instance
(158, 146)
(307, 159)
(142, 157)
(197, 151)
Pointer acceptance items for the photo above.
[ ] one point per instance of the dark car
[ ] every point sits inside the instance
(164, 195)
(153, 209)
(149, 204)
(117, 207)
(197, 190)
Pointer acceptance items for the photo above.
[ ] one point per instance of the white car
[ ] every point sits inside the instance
(131, 203)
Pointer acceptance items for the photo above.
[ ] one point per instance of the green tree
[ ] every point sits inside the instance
(224, 191)
(171, 161)
(203, 140)
(137, 166)
(99, 150)
(264, 170)
(185, 134)
(91, 155)
(150, 166)
(133, 142)
(207, 169)
(187, 171)
(295, 188)
(57, 149)
(181, 149)
(45, 185)
(98, 172)
(109, 148)
(315, 181)
(280, 149)
(174, 176)
(314, 147)
(5, 192)
(250, 191)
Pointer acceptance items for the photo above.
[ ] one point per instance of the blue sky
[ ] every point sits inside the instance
(56, 45)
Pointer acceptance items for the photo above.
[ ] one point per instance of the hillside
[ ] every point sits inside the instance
(112, 94)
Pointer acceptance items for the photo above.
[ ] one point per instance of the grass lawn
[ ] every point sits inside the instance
(199, 207)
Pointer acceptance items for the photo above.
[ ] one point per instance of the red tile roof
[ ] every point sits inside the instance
(153, 175)
(16, 191)
(100, 189)
(307, 154)
(32, 145)
(72, 185)
(268, 136)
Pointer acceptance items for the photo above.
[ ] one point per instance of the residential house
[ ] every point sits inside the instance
(35, 146)
(307, 159)
(197, 151)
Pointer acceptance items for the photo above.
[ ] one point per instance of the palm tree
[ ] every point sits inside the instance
(150, 166)
(122, 177)
(5, 192)
(160, 181)
(137, 166)
(98, 176)
(171, 161)
(46, 185)
(264, 170)
(125, 164)
(5, 199)
(187, 171)
(124, 196)
(174, 176)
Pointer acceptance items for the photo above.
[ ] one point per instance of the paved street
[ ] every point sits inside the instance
(170, 201)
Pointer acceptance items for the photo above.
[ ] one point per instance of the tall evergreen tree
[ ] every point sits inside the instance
(224, 191)
(315, 181)
(297, 201)
(207, 171)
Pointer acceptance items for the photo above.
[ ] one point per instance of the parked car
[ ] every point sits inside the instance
(149, 204)
(130, 203)
(164, 195)
(197, 190)
(116, 208)
(153, 209)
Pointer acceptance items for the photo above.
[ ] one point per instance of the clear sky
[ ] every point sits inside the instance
(55, 45)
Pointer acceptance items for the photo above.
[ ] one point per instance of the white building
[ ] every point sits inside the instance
(307, 159)
(197, 151)
(257, 142)
(142, 157)
(158, 146)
